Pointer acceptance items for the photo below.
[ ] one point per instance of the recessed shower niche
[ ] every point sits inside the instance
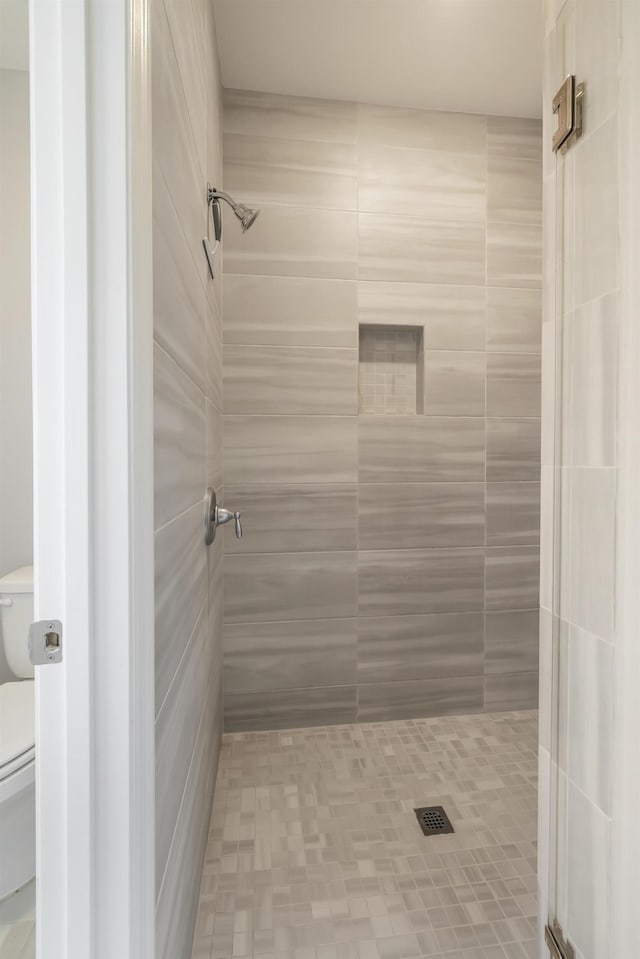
(390, 370)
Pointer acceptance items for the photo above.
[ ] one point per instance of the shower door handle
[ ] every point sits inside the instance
(215, 516)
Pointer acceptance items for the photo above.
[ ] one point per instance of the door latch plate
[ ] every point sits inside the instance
(45, 642)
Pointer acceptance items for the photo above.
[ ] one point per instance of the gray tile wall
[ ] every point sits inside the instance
(187, 151)
(390, 562)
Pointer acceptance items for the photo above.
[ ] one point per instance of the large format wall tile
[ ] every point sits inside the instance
(513, 514)
(264, 169)
(214, 129)
(215, 571)
(513, 384)
(589, 419)
(292, 518)
(190, 45)
(293, 241)
(213, 347)
(414, 581)
(415, 449)
(514, 255)
(213, 446)
(514, 190)
(274, 379)
(289, 311)
(178, 895)
(596, 215)
(397, 648)
(178, 291)
(452, 317)
(511, 691)
(454, 383)
(511, 641)
(175, 156)
(180, 592)
(514, 320)
(590, 572)
(179, 439)
(598, 32)
(419, 249)
(514, 137)
(294, 118)
(422, 129)
(414, 515)
(290, 708)
(588, 864)
(176, 729)
(591, 703)
(512, 577)
(270, 587)
(261, 656)
(429, 183)
(513, 449)
(424, 697)
(289, 449)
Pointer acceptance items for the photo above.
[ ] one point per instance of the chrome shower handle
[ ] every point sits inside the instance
(215, 516)
(225, 516)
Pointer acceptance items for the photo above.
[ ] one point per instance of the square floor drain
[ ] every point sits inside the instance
(433, 820)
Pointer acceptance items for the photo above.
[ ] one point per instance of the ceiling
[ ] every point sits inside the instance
(14, 35)
(476, 56)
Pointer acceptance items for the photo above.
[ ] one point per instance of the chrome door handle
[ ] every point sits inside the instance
(215, 516)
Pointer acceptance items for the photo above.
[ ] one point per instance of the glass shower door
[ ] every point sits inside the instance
(579, 487)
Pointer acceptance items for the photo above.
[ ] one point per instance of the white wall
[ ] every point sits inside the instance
(16, 468)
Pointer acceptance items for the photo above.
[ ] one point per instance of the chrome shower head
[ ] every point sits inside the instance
(245, 214)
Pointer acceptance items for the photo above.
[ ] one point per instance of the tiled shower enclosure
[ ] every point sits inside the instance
(381, 398)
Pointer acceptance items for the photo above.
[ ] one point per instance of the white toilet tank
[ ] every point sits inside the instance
(16, 615)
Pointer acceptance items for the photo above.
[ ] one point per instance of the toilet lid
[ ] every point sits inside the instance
(17, 725)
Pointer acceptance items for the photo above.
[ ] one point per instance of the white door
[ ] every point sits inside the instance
(92, 374)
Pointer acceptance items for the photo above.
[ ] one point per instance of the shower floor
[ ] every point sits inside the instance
(315, 852)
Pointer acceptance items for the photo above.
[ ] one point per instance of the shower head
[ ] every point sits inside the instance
(245, 214)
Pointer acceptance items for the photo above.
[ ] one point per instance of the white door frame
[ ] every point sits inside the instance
(93, 476)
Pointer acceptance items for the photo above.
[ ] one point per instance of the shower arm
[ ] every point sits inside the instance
(213, 195)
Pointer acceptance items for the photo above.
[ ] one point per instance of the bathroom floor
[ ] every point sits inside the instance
(315, 852)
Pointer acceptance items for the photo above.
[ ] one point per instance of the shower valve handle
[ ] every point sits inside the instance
(215, 516)
(225, 516)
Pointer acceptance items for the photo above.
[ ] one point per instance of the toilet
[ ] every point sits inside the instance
(17, 736)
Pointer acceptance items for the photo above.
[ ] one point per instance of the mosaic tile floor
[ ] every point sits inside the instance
(315, 852)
